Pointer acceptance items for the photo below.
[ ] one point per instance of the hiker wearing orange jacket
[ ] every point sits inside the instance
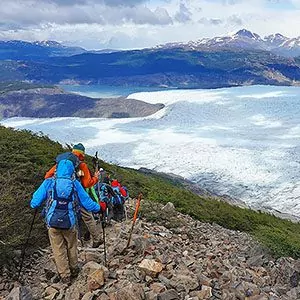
(87, 180)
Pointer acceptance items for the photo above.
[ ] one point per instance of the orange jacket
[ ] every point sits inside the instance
(87, 180)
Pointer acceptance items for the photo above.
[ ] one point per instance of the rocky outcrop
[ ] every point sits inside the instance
(178, 259)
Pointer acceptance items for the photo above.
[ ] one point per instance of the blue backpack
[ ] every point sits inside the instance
(62, 204)
(117, 198)
(68, 156)
(103, 191)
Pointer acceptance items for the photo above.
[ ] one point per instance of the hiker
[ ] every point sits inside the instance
(102, 175)
(63, 193)
(118, 200)
(105, 193)
(88, 181)
(116, 185)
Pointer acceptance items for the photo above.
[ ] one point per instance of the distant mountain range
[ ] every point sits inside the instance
(40, 50)
(243, 58)
(21, 50)
(246, 40)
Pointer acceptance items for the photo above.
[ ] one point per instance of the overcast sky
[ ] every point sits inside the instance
(126, 24)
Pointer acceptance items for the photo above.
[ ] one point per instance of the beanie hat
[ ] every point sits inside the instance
(79, 148)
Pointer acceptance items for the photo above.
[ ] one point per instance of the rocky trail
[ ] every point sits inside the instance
(171, 256)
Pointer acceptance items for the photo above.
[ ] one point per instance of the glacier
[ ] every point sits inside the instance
(243, 142)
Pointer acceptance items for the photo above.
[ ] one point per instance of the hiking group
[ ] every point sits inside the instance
(72, 193)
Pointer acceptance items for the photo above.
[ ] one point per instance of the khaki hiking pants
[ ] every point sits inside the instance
(90, 223)
(64, 247)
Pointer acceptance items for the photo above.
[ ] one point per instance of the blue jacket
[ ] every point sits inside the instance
(61, 208)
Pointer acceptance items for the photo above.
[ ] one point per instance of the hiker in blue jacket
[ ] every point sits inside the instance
(63, 193)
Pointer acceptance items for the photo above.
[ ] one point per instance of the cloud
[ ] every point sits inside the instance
(142, 23)
(207, 21)
(123, 3)
(92, 2)
(77, 13)
(235, 20)
(184, 14)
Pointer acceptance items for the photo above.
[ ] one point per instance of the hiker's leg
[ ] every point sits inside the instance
(71, 240)
(91, 225)
(110, 212)
(118, 212)
(59, 248)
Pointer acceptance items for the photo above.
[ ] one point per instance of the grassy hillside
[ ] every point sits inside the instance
(26, 157)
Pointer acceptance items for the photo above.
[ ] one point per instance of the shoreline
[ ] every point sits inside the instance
(194, 187)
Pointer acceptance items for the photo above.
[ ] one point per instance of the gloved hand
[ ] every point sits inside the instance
(103, 206)
(80, 173)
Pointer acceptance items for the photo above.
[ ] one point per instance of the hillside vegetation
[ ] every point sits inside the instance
(9, 86)
(26, 157)
(161, 67)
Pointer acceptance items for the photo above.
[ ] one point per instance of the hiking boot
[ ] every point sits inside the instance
(75, 272)
(96, 244)
(66, 280)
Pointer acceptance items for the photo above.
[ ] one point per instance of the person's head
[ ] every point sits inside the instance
(106, 180)
(114, 182)
(79, 151)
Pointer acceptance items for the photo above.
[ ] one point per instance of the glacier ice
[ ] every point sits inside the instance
(242, 142)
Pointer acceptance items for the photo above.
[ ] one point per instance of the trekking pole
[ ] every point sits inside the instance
(26, 244)
(104, 242)
(134, 218)
(96, 162)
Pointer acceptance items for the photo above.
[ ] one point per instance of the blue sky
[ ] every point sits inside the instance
(127, 24)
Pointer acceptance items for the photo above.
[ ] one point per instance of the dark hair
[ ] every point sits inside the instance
(106, 180)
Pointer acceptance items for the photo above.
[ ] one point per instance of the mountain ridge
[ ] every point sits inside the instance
(243, 58)
(160, 67)
(243, 39)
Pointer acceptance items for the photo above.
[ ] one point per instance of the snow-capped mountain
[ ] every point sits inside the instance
(275, 40)
(243, 39)
(23, 50)
(291, 46)
(47, 43)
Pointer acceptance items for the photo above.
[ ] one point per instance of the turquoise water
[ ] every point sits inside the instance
(104, 91)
